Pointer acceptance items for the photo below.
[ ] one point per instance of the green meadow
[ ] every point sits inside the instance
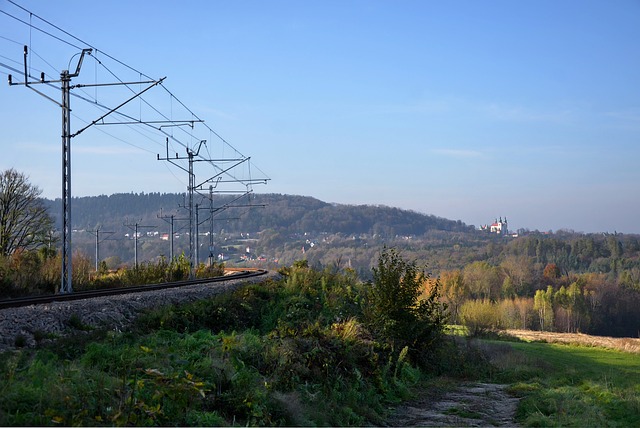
(569, 385)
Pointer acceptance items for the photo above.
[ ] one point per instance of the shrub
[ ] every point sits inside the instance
(479, 316)
(209, 271)
(394, 312)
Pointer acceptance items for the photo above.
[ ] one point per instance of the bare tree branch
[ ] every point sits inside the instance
(24, 220)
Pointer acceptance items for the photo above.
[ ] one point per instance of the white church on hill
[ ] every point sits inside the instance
(499, 227)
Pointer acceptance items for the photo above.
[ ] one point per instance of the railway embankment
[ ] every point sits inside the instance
(29, 325)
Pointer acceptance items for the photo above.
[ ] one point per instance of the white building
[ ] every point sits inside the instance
(499, 227)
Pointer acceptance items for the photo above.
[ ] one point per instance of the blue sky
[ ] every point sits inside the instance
(463, 109)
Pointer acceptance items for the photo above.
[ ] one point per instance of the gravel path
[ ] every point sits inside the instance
(469, 405)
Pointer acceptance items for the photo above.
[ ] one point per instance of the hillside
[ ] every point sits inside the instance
(279, 229)
(254, 213)
(273, 228)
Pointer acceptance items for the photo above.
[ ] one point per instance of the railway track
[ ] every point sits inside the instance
(231, 274)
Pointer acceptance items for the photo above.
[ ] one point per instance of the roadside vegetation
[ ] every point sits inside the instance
(306, 350)
(315, 348)
(29, 273)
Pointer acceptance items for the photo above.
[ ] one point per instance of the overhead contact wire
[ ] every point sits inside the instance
(168, 135)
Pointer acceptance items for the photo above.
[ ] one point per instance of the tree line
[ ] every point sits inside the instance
(518, 293)
(563, 281)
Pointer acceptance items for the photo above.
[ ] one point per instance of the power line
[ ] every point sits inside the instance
(37, 28)
(70, 35)
(11, 40)
(30, 25)
(185, 135)
(101, 63)
(96, 233)
(135, 226)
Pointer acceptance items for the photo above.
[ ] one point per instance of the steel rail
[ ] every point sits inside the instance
(80, 295)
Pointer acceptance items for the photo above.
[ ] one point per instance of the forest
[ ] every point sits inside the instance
(556, 281)
(254, 213)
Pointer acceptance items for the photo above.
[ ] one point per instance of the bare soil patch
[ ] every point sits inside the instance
(468, 405)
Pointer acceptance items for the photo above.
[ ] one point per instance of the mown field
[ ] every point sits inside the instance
(627, 344)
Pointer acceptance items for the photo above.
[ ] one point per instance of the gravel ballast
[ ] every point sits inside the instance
(21, 326)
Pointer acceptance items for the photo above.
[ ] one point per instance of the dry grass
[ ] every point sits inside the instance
(625, 344)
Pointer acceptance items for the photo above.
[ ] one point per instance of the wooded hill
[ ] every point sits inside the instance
(254, 213)
(286, 228)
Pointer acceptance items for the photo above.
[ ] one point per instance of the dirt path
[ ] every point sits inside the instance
(469, 405)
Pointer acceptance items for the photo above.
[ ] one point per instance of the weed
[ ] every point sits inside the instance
(40, 335)
(20, 341)
(76, 322)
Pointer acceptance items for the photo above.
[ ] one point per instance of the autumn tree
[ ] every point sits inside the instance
(454, 291)
(479, 316)
(551, 272)
(630, 278)
(518, 271)
(572, 308)
(543, 303)
(525, 310)
(24, 221)
(483, 280)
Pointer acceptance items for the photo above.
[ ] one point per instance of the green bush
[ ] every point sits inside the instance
(394, 311)
(479, 316)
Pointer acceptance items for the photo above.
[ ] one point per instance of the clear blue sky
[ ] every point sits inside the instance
(467, 110)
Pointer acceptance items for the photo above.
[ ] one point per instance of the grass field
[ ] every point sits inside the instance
(563, 384)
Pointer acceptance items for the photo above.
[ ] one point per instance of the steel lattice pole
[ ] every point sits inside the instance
(66, 285)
